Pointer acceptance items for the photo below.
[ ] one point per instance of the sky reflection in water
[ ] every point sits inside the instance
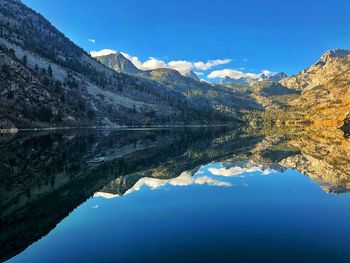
(241, 212)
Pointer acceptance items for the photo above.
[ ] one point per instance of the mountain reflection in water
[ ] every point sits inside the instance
(45, 176)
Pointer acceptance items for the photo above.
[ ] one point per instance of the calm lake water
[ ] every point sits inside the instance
(184, 195)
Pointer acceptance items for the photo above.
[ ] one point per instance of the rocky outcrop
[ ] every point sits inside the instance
(191, 74)
(277, 77)
(327, 68)
(119, 63)
(325, 86)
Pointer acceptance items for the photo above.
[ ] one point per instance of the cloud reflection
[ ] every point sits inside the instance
(185, 179)
(236, 170)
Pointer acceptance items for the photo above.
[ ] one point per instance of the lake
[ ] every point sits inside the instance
(268, 194)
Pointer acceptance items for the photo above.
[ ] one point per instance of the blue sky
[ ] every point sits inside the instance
(255, 35)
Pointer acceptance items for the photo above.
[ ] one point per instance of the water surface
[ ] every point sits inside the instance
(192, 195)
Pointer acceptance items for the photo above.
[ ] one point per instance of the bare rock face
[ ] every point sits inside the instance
(324, 70)
(118, 62)
(325, 89)
(191, 74)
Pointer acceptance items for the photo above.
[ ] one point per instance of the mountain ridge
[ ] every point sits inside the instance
(248, 81)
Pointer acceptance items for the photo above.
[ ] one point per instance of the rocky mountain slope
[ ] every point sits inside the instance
(46, 80)
(325, 97)
(118, 62)
(324, 70)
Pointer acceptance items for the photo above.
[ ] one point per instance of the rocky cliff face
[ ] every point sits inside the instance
(191, 74)
(325, 86)
(277, 77)
(330, 65)
(119, 63)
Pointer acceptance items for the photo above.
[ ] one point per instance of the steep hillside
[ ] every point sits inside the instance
(272, 95)
(325, 89)
(324, 70)
(191, 74)
(269, 94)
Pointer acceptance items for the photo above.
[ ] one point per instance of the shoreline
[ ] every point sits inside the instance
(154, 127)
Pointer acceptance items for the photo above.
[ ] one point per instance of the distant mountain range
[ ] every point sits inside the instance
(249, 81)
(46, 80)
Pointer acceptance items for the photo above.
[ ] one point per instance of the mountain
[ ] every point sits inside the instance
(271, 95)
(191, 74)
(325, 69)
(118, 62)
(243, 81)
(325, 97)
(47, 80)
(248, 81)
(277, 77)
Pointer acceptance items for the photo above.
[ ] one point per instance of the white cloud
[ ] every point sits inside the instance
(237, 74)
(199, 73)
(105, 195)
(103, 52)
(238, 170)
(153, 63)
(185, 179)
(183, 66)
(232, 73)
(92, 40)
(268, 72)
(210, 64)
